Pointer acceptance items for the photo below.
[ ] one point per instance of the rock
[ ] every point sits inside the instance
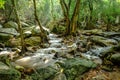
(24, 24)
(44, 73)
(13, 42)
(7, 73)
(4, 37)
(9, 31)
(115, 58)
(103, 41)
(11, 24)
(1, 26)
(36, 30)
(27, 34)
(72, 47)
(60, 76)
(76, 66)
(33, 41)
(37, 61)
(92, 32)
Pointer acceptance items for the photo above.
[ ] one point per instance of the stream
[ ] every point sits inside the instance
(63, 48)
(56, 51)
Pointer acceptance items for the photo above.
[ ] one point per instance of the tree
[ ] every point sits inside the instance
(20, 27)
(42, 31)
(70, 18)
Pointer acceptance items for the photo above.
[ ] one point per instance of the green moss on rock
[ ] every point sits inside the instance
(33, 41)
(7, 73)
(44, 73)
(76, 66)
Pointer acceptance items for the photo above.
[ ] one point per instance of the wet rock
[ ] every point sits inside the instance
(111, 34)
(56, 45)
(115, 58)
(7, 73)
(103, 41)
(72, 48)
(11, 24)
(36, 61)
(76, 66)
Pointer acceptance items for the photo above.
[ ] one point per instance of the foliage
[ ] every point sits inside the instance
(2, 2)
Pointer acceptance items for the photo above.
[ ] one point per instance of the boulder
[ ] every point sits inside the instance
(36, 30)
(24, 24)
(4, 37)
(11, 24)
(103, 41)
(44, 73)
(37, 61)
(115, 58)
(27, 34)
(7, 73)
(74, 67)
(9, 31)
(1, 26)
(33, 41)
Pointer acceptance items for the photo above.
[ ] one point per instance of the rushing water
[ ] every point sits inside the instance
(45, 56)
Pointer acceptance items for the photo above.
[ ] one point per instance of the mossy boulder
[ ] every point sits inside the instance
(44, 73)
(4, 37)
(13, 42)
(75, 67)
(7, 73)
(115, 58)
(6, 33)
(11, 24)
(33, 41)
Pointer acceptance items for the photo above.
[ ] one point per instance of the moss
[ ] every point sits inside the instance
(58, 29)
(4, 37)
(13, 43)
(10, 74)
(44, 73)
(76, 66)
(7, 73)
(33, 41)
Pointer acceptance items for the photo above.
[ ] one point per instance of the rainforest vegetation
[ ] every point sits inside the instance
(59, 39)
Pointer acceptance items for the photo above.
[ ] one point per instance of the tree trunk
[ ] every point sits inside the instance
(20, 27)
(74, 19)
(71, 23)
(42, 31)
(65, 10)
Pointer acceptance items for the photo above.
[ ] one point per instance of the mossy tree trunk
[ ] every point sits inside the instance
(74, 19)
(42, 31)
(71, 23)
(19, 27)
